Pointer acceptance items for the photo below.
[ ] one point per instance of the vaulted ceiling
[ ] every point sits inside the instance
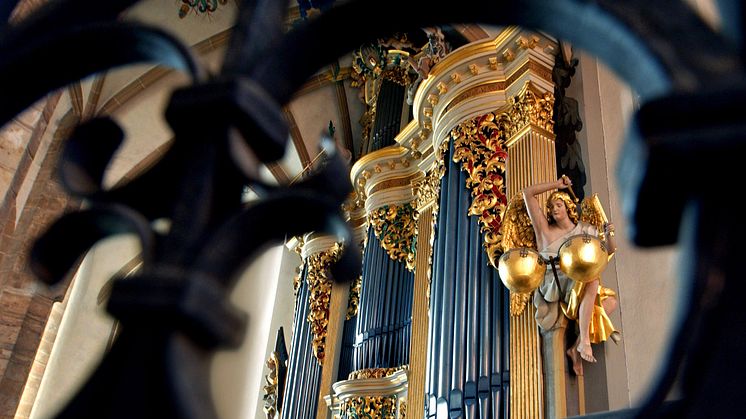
(136, 95)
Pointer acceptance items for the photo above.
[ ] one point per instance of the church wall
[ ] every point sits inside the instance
(645, 279)
(282, 316)
(237, 375)
(85, 328)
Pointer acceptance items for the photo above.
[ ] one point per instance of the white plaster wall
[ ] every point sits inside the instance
(284, 307)
(236, 376)
(646, 279)
(85, 326)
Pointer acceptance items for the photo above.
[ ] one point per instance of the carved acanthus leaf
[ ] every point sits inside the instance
(375, 372)
(373, 407)
(396, 227)
(354, 300)
(527, 108)
(478, 146)
(319, 294)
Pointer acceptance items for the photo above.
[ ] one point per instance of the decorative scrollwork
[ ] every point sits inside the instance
(299, 270)
(427, 189)
(437, 172)
(478, 146)
(320, 290)
(370, 407)
(375, 372)
(396, 228)
(271, 389)
(354, 302)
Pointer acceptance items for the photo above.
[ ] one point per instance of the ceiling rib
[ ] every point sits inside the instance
(279, 173)
(297, 137)
(94, 96)
(344, 116)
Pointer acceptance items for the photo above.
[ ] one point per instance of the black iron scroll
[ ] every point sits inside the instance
(175, 312)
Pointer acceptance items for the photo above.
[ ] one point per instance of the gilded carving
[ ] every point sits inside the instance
(320, 289)
(354, 301)
(475, 91)
(478, 146)
(435, 174)
(299, 270)
(396, 228)
(370, 407)
(516, 231)
(518, 303)
(375, 372)
(528, 108)
(426, 190)
(397, 75)
(366, 122)
(402, 409)
(271, 389)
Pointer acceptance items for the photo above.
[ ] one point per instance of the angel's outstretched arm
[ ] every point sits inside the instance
(530, 193)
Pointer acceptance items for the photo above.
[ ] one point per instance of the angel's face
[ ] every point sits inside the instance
(559, 210)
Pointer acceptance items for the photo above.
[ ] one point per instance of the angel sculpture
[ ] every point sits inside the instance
(563, 279)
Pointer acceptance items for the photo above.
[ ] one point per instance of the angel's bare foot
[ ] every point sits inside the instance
(586, 352)
(577, 364)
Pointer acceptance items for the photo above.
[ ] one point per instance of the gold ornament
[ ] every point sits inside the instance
(478, 146)
(375, 372)
(319, 294)
(354, 302)
(370, 407)
(396, 227)
(583, 257)
(521, 269)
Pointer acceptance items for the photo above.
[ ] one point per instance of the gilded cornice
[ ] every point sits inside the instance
(393, 183)
(476, 79)
(367, 373)
(396, 228)
(379, 393)
(386, 173)
(320, 289)
(479, 147)
(463, 54)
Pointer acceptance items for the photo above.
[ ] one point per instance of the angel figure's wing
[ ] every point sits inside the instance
(592, 212)
(516, 231)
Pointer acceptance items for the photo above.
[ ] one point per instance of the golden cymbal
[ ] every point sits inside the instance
(583, 257)
(521, 269)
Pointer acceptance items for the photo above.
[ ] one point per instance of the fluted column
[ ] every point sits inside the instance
(427, 192)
